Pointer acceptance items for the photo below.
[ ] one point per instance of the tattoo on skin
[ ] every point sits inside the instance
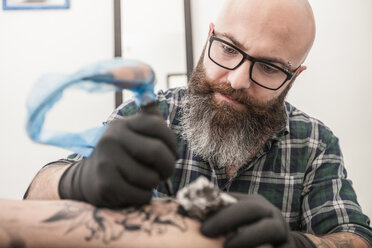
(344, 243)
(322, 243)
(110, 225)
(339, 241)
(16, 242)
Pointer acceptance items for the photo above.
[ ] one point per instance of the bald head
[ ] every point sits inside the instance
(280, 28)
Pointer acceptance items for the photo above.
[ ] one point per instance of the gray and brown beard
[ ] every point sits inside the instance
(219, 132)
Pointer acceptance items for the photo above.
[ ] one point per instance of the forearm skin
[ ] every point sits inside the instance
(75, 224)
(45, 184)
(339, 240)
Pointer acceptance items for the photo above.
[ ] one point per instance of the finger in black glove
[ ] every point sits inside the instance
(251, 222)
(133, 155)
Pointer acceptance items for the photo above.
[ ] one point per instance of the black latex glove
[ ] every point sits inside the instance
(133, 155)
(251, 222)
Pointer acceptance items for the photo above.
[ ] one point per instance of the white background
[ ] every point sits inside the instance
(336, 88)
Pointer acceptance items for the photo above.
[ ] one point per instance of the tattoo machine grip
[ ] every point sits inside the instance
(152, 109)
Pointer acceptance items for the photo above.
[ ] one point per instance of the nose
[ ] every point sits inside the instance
(239, 78)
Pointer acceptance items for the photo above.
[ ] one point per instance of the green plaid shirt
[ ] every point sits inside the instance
(300, 170)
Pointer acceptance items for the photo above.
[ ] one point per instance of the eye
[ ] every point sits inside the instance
(228, 49)
(269, 69)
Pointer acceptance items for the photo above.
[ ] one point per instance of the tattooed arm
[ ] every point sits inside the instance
(339, 240)
(75, 224)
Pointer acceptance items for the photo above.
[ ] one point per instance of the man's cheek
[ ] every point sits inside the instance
(214, 72)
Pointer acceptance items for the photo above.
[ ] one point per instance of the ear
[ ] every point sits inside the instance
(211, 27)
(302, 68)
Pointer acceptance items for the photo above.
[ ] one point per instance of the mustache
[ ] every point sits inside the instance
(237, 95)
(224, 88)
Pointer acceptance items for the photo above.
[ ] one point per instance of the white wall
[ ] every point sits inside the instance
(33, 43)
(36, 42)
(336, 87)
(154, 34)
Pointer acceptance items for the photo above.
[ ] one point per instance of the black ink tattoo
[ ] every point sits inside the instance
(342, 243)
(15, 240)
(17, 243)
(110, 225)
(322, 243)
(346, 242)
(339, 240)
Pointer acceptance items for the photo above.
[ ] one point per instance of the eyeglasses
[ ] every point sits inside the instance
(261, 72)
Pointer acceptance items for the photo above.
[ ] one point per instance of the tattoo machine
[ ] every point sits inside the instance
(116, 74)
(202, 198)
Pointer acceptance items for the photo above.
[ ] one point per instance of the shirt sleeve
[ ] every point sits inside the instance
(329, 200)
(129, 107)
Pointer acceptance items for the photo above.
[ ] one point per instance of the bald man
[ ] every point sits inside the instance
(233, 126)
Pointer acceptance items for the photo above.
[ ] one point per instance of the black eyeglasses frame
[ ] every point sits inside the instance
(253, 60)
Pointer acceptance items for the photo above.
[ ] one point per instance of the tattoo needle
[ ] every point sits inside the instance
(168, 186)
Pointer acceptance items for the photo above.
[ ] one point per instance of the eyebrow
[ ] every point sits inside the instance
(265, 58)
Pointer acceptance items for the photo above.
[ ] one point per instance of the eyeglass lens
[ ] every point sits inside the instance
(262, 73)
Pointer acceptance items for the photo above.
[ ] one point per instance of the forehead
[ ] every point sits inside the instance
(264, 28)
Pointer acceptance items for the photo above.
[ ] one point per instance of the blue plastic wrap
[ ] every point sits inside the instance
(116, 74)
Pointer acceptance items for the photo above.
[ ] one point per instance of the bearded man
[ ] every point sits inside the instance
(234, 127)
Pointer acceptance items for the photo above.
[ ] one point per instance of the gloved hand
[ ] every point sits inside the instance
(133, 155)
(251, 222)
